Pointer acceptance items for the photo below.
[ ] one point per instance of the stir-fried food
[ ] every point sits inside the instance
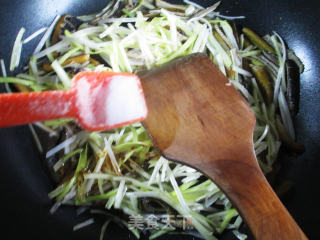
(120, 169)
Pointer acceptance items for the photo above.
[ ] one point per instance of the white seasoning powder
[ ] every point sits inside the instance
(125, 101)
(83, 100)
(119, 101)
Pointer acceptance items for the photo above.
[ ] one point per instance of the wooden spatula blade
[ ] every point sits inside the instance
(195, 114)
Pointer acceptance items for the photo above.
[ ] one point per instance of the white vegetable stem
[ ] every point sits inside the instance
(16, 51)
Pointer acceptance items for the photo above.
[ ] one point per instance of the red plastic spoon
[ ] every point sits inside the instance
(98, 100)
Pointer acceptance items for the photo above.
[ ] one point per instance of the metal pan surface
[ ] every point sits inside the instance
(24, 185)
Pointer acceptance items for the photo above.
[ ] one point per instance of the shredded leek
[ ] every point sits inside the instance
(16, 51)
(121, 168)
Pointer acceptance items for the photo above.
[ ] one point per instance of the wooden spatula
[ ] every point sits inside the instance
(197, 118)
(98, 100)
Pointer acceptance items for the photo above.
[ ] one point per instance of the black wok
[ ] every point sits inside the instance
(24, 184)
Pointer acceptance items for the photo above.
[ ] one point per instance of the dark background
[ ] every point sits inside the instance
(24, 207)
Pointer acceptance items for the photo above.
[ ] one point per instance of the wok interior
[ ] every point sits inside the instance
(25, 184)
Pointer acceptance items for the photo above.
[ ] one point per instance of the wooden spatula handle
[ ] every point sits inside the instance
(21, 108)
(257, 203)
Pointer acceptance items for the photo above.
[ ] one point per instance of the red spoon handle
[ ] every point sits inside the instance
(22, 108)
